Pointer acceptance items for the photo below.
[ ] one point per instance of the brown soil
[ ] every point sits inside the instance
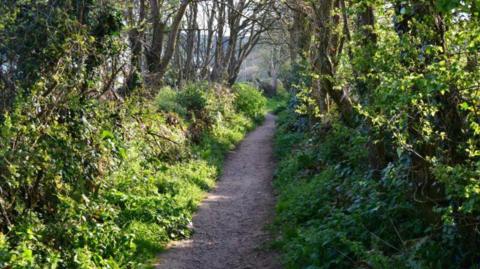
(230, 223)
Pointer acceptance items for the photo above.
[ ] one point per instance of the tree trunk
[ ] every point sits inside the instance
(218, 68)
(365, 22)
(327, 50)
(156, 61)
(208, 47)
(189, 68)
(135, 38)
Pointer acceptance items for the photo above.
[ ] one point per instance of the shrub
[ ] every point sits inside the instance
(167, 101)
(249, 100)
(108, 185)
(194, 98)
(332, 214)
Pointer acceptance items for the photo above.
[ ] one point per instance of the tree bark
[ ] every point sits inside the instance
(218, 68)
(135, 38)
(328, 48)
(189, 68)
(157, 61)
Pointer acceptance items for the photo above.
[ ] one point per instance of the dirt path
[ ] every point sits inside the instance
(229, 226)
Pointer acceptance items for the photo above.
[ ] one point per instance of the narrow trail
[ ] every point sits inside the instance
(229, 225)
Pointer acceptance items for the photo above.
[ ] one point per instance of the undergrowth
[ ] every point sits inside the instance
(331, 213)
(112, 184)
(278, 102)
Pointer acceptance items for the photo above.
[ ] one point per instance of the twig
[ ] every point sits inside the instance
(162, 137)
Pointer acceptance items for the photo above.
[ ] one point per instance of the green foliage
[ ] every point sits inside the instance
(396, 186)
(278, 103)
(90, 175)
(40, 36)
(297, 74)
(331, 215)
(193, 98)
(107, 185)
(167, 101)
(249, 100)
